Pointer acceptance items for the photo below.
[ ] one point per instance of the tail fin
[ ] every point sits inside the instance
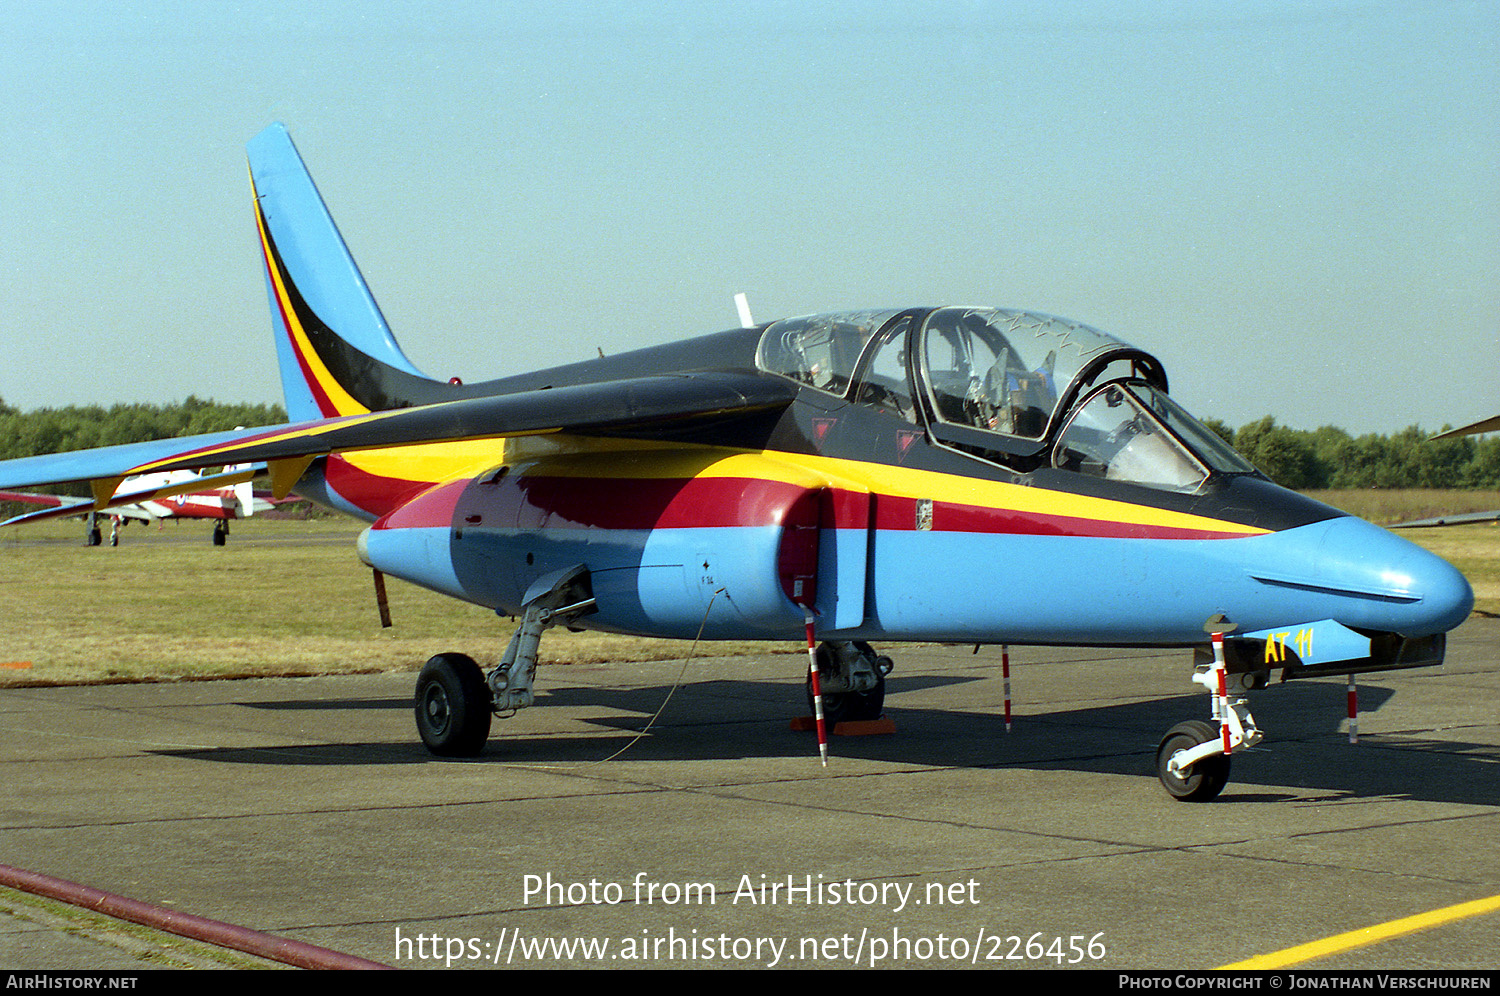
(336, 353)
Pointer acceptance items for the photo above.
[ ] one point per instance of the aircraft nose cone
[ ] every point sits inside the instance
(1409, 590)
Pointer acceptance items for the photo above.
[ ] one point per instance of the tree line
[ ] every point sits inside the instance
(1296, 458)
(1329, 457)
(58, 430)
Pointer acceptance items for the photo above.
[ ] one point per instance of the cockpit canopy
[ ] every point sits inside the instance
(1022, 389)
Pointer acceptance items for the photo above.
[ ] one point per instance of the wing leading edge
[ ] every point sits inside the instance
(1474, 429)
(630, 406)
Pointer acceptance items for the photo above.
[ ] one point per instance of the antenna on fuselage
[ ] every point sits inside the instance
(742, 303)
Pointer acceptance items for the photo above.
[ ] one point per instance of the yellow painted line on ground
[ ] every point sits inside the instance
(1367, 935)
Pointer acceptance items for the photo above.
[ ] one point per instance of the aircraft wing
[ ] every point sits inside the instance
(631, 406)
(137, 512)
(28, 498)
(1448, 520)
(1483, 425)
(79, 507)
(63, 506)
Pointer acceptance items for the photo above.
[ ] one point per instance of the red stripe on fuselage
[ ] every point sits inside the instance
(432, 508)
(374, 494)
(653, 503)
(598, 503)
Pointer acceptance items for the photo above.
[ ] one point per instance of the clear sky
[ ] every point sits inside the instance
(1296, 205)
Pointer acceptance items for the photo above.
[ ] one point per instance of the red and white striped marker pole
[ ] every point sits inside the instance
(817, 690)
(1353, 712)
(1005, 674)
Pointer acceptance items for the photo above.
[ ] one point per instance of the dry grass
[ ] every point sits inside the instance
(291, 598)
(282, 598)
(1386, 508)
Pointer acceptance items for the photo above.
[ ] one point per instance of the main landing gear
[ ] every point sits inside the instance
(453, 706)
(455, 699)
(851, 677)
(93, 535)
(1193, 759)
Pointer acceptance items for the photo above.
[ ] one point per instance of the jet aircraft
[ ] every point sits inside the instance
(955, 474)
(178, 494)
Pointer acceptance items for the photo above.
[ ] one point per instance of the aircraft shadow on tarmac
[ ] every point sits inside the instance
(1306, 745)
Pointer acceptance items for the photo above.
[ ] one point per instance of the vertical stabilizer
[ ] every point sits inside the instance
(336, 353)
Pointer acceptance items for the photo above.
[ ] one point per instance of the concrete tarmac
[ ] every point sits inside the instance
(307, 808)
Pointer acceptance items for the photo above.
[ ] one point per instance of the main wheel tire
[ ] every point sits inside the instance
(1207, 777)
(843, 707)
(453, 706)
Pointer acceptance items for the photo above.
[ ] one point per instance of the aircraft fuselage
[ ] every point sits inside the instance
(912, 538)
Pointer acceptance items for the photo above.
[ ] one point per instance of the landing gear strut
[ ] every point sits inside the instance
(455, 699)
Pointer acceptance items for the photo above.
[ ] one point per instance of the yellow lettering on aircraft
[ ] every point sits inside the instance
(1276, 645)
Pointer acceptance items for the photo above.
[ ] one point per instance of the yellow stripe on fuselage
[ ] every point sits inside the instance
(561, 455)
(434, 463)
(645, 459)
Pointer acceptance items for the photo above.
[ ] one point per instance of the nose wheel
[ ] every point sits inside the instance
(1200, 780)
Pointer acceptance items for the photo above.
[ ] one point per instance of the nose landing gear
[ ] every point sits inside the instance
(1192, 760)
